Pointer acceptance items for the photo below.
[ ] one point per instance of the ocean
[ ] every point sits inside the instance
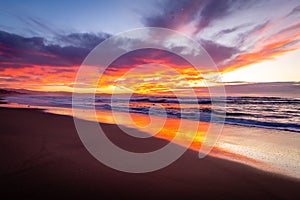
(262, 132)
(266, 112)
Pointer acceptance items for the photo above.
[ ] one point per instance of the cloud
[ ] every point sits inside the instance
(172, 14)
(280, 89)
(233, 29)
(295, 11)
(235, 33)
(219, 53)
(54, 62)
(175, 14)
(214, 10)
(84, 40)
(178, 14)
(69, 50)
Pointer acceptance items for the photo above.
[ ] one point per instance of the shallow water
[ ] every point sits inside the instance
(269, 149)
(267, 112)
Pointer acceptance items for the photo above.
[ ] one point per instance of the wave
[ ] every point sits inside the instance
(261, 124)
(228, 100)
(267, 112)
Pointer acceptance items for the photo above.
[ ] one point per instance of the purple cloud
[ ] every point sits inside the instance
(17, 51)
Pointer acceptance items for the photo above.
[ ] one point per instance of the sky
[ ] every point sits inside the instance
(43, 43)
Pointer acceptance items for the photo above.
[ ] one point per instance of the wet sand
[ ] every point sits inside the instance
(42, 157)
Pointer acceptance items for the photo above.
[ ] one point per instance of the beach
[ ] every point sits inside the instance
(150, 100)
(43, 157)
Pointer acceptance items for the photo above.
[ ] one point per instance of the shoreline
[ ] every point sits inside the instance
(228, 120)
(277, 151)
(232, 145)
(44, 155)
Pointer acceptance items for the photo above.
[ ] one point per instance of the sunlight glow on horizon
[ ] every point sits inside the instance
(42, 45)
(266, 71)
(280, 69)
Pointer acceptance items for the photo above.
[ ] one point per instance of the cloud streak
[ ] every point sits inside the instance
(17, 51)
(235, 33)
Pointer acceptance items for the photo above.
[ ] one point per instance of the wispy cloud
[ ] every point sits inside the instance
(235, 33)
(69, 50)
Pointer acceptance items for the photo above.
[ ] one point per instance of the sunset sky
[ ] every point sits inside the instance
(43, 43)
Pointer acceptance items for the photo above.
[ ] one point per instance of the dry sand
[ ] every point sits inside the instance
(42, 157)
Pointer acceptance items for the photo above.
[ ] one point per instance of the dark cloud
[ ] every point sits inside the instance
(219, 53)
(174, 14)
(231, 30)
(250, 34)
(295, 11)
(213, 10)
(18, 51)
(147, 56)
(71, 49)
(85, 40)
(250, 42)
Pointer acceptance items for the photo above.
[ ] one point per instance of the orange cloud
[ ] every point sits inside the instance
(266, 52)
(37, 77)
